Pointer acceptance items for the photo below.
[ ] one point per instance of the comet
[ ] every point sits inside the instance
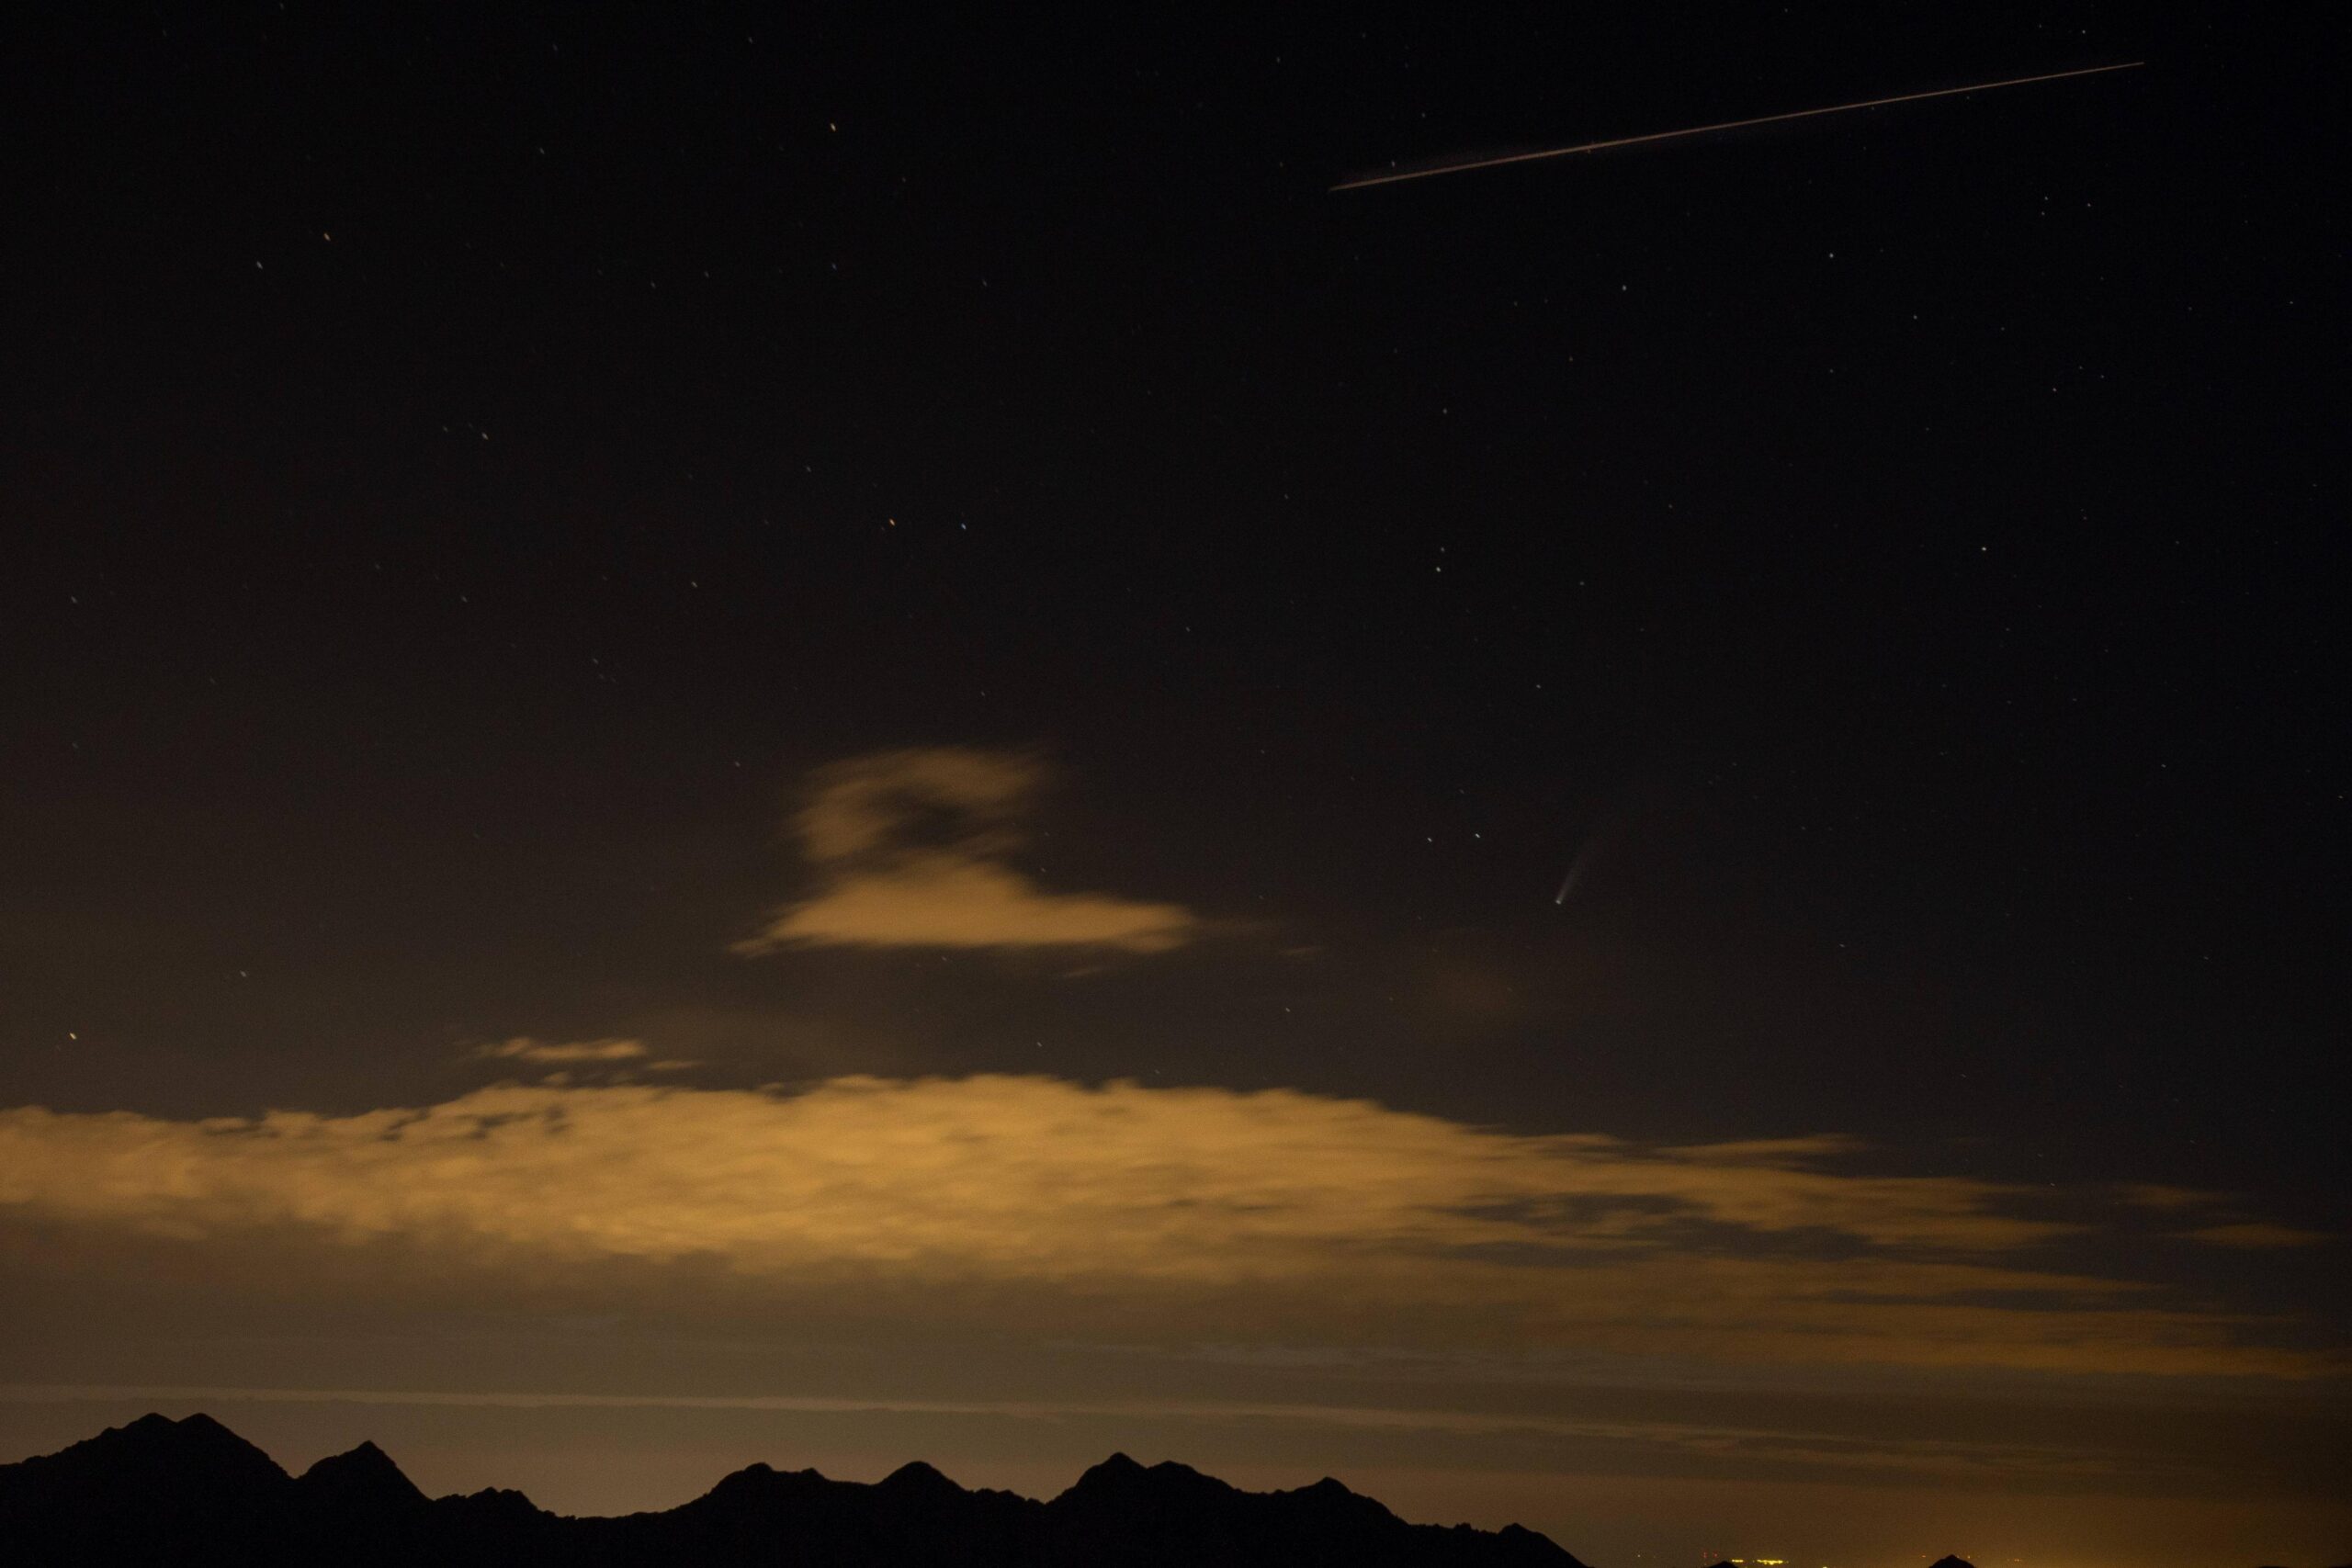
(1576, 874)
(1599, 840)
(1465, 165)
(1586, 853)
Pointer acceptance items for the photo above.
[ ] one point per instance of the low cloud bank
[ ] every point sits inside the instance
(1243, 1213)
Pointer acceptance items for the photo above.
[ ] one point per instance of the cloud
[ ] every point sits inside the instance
(2257, 1235)
(2222, 1228)
(2150, 1195)
(1206, 1212)
(912, 849)
(522, 1048)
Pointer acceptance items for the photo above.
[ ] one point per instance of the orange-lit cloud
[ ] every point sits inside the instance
(1219, 1211)
(623, 1059)
(2151, 1195)
(911, 848)
(2255, 1235)
(522, 1048)
(2220, 1227)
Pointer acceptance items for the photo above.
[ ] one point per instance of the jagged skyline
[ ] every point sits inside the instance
(167, 1493)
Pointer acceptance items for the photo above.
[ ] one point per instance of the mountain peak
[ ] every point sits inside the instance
(758, 1485)
(157, 1427)
(1951, 1563)
(196, 1444)
(916, 1478)
(1118, 1472)
(133, 1491)
(367, 1457)
(1333, 1499)
(364, 1477)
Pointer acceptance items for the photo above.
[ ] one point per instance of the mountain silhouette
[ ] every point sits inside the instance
(361, 1485)
(159, 1493)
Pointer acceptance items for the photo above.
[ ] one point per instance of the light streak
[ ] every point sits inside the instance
(1402, 174)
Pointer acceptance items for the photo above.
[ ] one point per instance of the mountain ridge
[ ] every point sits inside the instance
(162, 1493)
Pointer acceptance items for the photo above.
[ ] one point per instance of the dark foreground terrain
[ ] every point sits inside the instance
(163, 1492)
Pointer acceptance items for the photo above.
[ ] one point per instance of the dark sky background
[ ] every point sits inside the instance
(465, 468)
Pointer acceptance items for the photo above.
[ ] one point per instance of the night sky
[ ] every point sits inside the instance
(738, 734)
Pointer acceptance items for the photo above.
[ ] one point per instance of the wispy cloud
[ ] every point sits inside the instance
(1216, 1212)
(522, 1048)
(2221, 1225)
(2257, 1235)
(912, 848)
